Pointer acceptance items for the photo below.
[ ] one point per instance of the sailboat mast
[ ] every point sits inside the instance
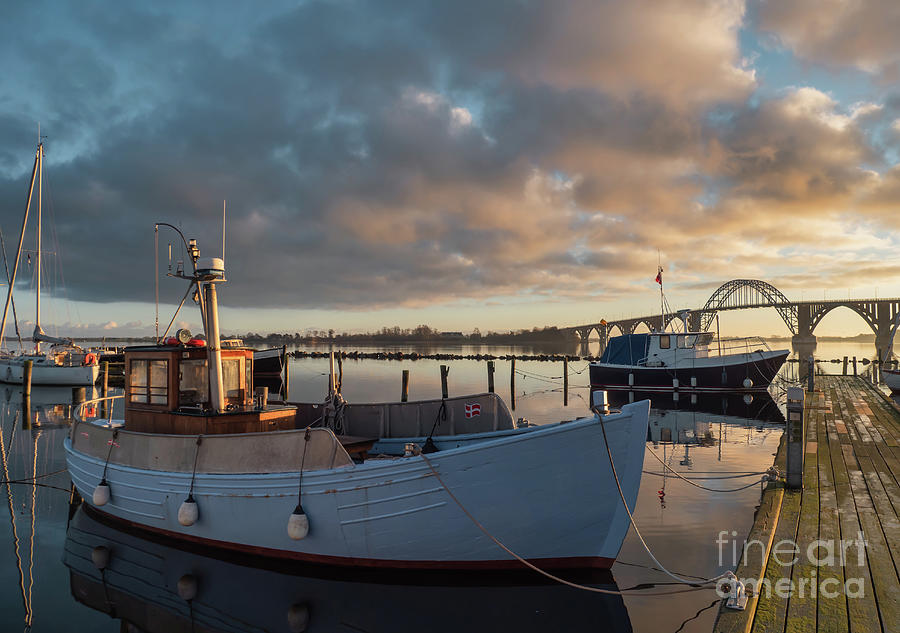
(12, 280)
(37, 308)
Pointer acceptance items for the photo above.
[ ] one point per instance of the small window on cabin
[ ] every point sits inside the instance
(193, 384)
(665, 342)
(683, 342)
(138, 381)
(231, 377)
(149, 381)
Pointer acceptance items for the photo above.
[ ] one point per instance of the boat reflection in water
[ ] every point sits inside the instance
(692, 418)
(153, 586)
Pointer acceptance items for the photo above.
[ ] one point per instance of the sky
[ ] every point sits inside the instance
(462, 164)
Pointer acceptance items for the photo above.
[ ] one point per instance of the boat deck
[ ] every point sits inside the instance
(851, 484)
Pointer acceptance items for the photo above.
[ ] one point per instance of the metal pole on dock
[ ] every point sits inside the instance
(490, 370)
(512, 383)
(404, 389)
(565, 381)
(26, 378)
(445, 370)
(794, 433)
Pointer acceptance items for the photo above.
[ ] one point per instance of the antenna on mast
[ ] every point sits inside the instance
(223, 230)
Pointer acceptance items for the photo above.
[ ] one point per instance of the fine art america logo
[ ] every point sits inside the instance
(801, 568)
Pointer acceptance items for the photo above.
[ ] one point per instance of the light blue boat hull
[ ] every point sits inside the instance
(546, 493)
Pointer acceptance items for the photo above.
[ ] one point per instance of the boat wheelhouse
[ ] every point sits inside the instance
(167, 391)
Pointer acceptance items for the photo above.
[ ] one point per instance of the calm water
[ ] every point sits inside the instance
(51, 580)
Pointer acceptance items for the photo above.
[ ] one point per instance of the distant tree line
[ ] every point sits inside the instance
(418, 334)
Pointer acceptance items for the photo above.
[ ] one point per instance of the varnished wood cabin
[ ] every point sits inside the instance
(167, 391)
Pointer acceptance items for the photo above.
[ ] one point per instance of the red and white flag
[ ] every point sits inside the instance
(659, 276)
(472, 409)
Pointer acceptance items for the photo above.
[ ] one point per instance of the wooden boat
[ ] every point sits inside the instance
(662, 361)
(197, 458)
(65, 363)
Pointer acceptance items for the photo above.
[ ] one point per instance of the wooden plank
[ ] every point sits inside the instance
(862, 611)
(884, 578)
(831, 606)
(771, 610)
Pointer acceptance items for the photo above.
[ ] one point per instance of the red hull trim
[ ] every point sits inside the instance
(568, 563)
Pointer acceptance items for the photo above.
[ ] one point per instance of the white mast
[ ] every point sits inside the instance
(37, 309)
(12, 281)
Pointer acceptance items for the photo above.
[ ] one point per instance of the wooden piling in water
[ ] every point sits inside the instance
(565, 381)
(104, 388)
(26, 378)
(490, 370)
(512, 383)
(845, 366)
(78, 395)
(404, 389)
(445, 392)
(854, 367)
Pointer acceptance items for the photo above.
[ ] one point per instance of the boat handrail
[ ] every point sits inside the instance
(744, 344)
(76, 414)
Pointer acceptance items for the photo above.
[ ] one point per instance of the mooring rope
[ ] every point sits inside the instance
(767, 476)
(694, 586)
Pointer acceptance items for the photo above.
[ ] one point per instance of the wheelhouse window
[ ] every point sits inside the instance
(665, 341)
(149, 381)
(231, 378)
(193, 382)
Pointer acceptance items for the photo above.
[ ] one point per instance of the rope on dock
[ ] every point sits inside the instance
(766, 476)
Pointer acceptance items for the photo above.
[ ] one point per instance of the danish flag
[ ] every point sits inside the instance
(472, 409)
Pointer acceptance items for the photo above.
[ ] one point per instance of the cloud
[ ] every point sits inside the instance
(408, 154)
(860, 34)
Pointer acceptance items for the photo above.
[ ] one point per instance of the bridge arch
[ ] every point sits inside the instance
(746, 293)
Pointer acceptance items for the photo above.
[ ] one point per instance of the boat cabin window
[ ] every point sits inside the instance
(231, 377)
(149, 381)
(665, 341)
(193, 383)
(687, 341)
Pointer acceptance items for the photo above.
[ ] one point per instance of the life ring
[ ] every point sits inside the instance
(90, 358)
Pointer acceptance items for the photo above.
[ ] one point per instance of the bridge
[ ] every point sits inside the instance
(801, 317)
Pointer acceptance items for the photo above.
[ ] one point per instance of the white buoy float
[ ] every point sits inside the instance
(187, 587)
(188, 512)
(101, 493)
(298, 524)
(747, 383)
(298, 618)
(100, 557)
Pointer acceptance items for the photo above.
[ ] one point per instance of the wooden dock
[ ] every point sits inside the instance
(851, 485)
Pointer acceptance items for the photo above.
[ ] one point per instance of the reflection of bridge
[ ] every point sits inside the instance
(801, 317)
